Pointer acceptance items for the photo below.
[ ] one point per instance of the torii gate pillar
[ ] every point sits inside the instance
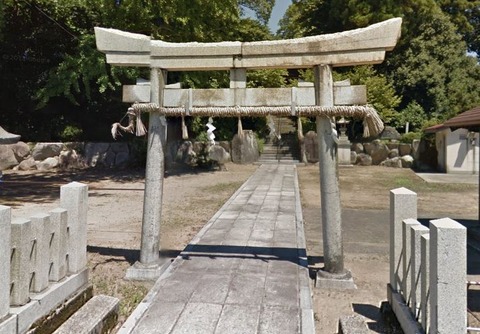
(334, 273)
(150, 265)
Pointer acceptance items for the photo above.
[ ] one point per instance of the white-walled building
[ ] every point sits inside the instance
(457, 143)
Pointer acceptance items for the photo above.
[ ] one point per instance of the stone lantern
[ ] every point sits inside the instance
(343, 143)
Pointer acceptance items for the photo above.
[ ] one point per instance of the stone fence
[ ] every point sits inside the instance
(43, 260)
(428, 269)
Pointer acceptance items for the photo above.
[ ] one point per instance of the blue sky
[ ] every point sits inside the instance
(277, 13)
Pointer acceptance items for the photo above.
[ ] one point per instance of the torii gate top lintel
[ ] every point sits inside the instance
(355, 47)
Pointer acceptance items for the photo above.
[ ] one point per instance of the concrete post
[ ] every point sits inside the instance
(20, 268)
(152, 203)
(40, 263)
(416, 231)
(407, 259)
(74, 199)
(58, 244)
(403, 205)
(329, 190)
(425, 282)
(5, 251)
(448, 274)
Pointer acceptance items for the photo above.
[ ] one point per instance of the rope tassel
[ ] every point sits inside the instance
(240, 127)
(184, 129)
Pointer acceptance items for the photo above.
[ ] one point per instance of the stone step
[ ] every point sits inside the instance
(98, 315)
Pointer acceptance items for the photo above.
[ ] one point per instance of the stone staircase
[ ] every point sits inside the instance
(283, 150)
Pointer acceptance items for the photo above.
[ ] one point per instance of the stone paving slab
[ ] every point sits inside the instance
(245, 272)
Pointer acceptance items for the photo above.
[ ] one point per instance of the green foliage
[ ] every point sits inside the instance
(71, 133)
(413, 114)
(409, 137)
(262, 8)
(308, 124)
(435, 72)
(380, 92)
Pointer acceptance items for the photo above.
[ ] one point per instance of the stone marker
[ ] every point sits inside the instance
(403, 205)
(407, 258)
(416, 231)
(40, 260)
(448, 276)
(425, 282)
(58, 245)
(20, 274)
(74, 198)
(5, 250)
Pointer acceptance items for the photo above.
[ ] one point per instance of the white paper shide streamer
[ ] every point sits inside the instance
(210, 129)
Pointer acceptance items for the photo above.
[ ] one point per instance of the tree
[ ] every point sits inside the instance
(52, 71)
(435, 71)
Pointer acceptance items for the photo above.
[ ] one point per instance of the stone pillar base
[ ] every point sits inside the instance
(326, 280)
(146, 272)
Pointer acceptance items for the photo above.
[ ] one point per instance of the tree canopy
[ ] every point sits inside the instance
(429, 69)
(52, 75)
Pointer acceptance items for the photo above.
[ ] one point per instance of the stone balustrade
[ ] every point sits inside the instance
(428, 269)
(43, 259)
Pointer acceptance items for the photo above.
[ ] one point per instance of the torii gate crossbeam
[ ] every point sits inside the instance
(356, 47)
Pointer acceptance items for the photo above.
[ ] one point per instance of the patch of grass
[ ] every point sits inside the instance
(223, 187)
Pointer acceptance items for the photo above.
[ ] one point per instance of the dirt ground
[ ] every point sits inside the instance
(191, 197)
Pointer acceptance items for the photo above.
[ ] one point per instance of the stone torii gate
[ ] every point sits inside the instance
(356, 47)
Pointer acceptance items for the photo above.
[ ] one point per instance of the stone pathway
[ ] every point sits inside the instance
(245, 272)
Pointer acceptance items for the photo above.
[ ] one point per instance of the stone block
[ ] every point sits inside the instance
(403, 205)
(41, 230)
(357, 148)
(21, 150)
(7, 157)
(20, 265)
(448, 274)
(404, 149)
(47, 164)
(364, 159)
(42, 151)
(27, 164)
(74, 198)
(58, 244)
(44, 303)
(98, 315)
(311, 146)
(407, 258)
(245, 148)
(425, 283)
(5, 251)
(416, 231)
(8, 325)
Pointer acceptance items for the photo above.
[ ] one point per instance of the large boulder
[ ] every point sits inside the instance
(220, 155)
(21, 150)
(377, 150)
(394, 162)
(70, 159)
(41, 151)
(407, 161)
(364, 159)
(404, 149)
(393, 145)
(95, 153)
(393, 153)
(357, 148)
(119, 147)
(7, 157)
(47, 164)
(245, 148)
(390, 133)
(311, 146)
(27, 164)
(186, 153)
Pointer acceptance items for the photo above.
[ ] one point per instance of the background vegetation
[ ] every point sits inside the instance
(55, 85)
